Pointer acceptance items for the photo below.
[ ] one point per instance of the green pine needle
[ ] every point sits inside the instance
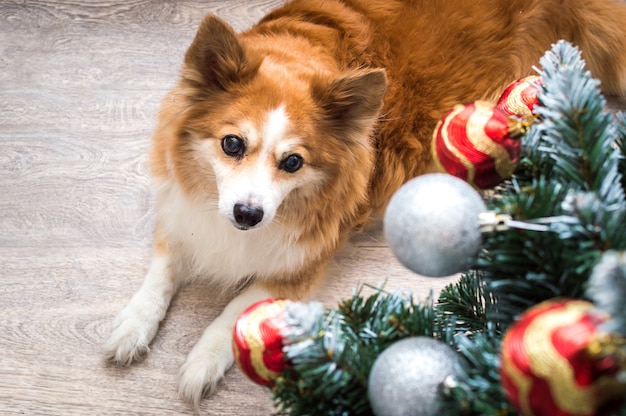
(465, 303)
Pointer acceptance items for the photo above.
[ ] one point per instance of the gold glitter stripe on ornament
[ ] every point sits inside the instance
(433, 149)
(255, 339)
(547, 363)
(483, 143)
(522, 383)
(471, 170)
(515, 101)
(612, 346)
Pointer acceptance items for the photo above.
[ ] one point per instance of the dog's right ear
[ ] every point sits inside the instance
(216, 58)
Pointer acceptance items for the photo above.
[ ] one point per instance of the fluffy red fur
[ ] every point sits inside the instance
(360, 86)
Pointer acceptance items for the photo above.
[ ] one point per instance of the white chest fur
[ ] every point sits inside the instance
(216, 249)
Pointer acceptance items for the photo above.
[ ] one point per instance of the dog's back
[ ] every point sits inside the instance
(440, 53)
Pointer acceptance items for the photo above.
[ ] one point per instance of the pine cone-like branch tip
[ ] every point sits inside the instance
(607, 289)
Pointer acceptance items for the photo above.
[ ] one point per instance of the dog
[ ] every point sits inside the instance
(280, 142)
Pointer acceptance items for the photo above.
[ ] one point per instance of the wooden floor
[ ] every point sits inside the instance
(80, 82)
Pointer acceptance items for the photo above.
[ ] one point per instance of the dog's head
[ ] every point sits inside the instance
(270, 134)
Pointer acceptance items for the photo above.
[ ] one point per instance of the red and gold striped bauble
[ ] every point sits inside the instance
(257, 341)
(478, 143)
(520, 97)
(549, 366)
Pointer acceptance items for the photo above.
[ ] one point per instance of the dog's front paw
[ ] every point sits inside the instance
(130, 337)
(204, 368)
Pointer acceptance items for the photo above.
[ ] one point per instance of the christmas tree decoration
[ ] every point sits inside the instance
(607, 289)
(431, 224)
(478, 143)
(549, 366)
(258, 343)
(555, 230)
(407, 377)
(520, 97)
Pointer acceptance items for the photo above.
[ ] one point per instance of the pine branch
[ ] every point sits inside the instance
(573, 141)
(332, 354)
(463, 304)
(607, 289)
(620, 118)
(570, 179)
(477, 391)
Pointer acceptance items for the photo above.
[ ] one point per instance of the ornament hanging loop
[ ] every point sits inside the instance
(490, 222)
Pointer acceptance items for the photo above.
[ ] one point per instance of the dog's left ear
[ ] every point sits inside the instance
(217, 58)
(352, 101)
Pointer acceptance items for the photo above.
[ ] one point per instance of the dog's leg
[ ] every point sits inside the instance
(135, 326)
(213, 355)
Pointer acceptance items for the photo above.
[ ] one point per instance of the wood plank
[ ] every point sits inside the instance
(74, 192)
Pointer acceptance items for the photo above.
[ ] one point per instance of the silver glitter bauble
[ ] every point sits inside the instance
(431, 224)
(405, 378)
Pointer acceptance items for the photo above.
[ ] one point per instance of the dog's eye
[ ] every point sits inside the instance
(233, 145)
(291, 163)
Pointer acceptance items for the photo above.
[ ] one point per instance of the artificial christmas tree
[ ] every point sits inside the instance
(558, 231)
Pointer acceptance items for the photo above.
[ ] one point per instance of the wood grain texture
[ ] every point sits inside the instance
(80, 82)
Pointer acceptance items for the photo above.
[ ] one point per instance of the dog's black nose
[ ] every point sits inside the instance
(246, 215)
